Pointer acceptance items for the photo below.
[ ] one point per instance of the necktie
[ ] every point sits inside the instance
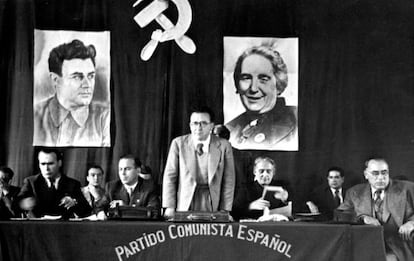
(337, 198)
(129, 190)
(52, 184)
(378, 204)
(200, 149)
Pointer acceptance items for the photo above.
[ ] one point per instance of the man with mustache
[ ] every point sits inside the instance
(70, 117)
(385, 202)
(260, 76)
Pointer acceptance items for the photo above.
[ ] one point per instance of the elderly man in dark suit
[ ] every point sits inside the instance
(51, 192)
(199, 173)
(253, 202)
(388, 203)
(130, 189)
(324, 199)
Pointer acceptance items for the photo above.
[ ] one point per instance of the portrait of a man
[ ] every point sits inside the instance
(71, 116)
(260, 77)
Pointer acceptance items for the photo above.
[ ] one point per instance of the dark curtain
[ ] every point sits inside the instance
(356, 95)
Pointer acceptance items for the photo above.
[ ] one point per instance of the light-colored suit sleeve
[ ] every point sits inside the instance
(169, 184)
(229, 179)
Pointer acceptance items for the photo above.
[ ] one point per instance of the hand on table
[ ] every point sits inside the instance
(115, 203)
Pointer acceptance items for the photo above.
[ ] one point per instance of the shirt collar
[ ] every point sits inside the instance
(333, 191)
(373, 193)
(130, 187)
(91, 188)
(206, 143)
(57, 178)
(58, 113)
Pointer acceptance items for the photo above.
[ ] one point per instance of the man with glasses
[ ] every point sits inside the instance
(199, 173)
(70, 118)
(385, 202)
(324, 199)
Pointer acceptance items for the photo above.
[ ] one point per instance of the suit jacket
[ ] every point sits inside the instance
(398, 204)
(97, 205)
(179, 182)
(273, 130)
(254, 191)
(36, 186)
(323, 198)
(7, 212)
(144, 194)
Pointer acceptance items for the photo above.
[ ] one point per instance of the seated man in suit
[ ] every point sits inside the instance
(254, 204)
(8, 194)
(130, 189)
(51, 192)
(385, 202)
(324, 199)
(199, 173)
(94, 193)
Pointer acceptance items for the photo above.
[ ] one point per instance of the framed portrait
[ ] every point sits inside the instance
(71, 95)
(260, 89)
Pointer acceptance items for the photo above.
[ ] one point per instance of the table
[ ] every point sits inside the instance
(132, 240)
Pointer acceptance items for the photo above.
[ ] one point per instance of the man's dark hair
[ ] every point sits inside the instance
(146, 169)
(46, 150)
(341, 171)
(221, 131)
(69, 51)
(203, 109)
(137, 162)
(8, 171)
(268, 52)
(95, 166)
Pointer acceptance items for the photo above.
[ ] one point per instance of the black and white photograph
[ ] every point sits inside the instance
(263, 73)
(71, 99)
(185, 130)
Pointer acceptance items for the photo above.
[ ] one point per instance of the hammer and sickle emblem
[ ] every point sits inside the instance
(172, 32)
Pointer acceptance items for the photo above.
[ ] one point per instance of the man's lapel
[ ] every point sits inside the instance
(135, 196)
(123, 194)
(190, 156)
(214, 155)
(366, 201)
(394, 203)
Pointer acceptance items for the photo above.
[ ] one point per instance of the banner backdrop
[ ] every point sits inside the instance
(48, 240)
(356, 78)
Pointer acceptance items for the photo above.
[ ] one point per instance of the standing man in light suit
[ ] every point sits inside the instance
(199, 173)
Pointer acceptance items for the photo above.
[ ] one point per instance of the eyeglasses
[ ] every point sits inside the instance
(199, 123)
(377, 173)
